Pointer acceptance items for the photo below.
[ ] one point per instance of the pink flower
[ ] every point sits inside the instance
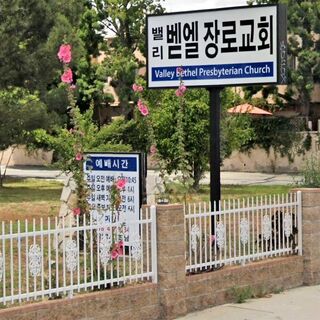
(121, 183)
(153, 149)
(64, 53)
(143, 108)
(76, 211)
(67, 76)
(144, 111)
(140, 104)
(117, 250)
(179, 71)
(114, 254)
(78, 156)
(137, 88)
(119, 247)
(73, 87)
(179, 93)
(181, 90)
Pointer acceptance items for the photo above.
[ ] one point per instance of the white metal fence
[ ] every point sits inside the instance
(238, 231)
(49, 259)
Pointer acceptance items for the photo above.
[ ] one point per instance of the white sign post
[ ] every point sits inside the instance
(101, 171)
(233, 46)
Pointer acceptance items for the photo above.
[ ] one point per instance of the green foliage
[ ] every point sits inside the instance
(28, 31)
(87, 134)
(126, 20)
(311, 172)
(241, 294)
(278, 133)
(120, 131)
(237, 132)
(195, 124)
(303, 24)
(303, 50)
(21, 113)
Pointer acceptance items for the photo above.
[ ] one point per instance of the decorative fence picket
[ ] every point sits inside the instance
(245, 230)
(39, 260)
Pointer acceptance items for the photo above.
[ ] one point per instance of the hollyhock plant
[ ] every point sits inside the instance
(117, 250)
(212, 238)
(121, 183)
(76, 211)
(179, 71)
(144, 110)
(64, 53)
(153, 149)
(181, 90)
(67, 76)
(137, 88)
(78, 156)
(140, 104)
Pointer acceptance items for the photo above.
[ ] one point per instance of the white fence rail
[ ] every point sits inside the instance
(48, 259)
(238, 231)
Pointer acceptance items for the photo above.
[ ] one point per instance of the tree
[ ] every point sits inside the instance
(303, 50)
(124, 20)
(165, 110)
(30, 33)
(21, 113)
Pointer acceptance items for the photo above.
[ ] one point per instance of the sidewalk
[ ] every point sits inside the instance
(227, 177)
(296, 304)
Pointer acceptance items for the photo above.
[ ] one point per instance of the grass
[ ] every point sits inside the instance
(33, 198)
(241, 294)
(227, 192)
(29, 198)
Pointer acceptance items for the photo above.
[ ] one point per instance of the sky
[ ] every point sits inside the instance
(186, 5)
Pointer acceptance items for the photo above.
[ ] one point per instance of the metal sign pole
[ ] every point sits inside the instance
(215, 183)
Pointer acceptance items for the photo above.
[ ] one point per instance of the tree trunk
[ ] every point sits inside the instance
(305, 104)
(197, 175)
(2, 175)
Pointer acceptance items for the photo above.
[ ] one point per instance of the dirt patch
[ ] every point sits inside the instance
(29, 210)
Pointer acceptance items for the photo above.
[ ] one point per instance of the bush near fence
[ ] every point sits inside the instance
(175, 293)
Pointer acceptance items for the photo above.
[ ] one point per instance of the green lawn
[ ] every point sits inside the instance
(33, 198)
(228, 192)
(29, 198)
(30, 190)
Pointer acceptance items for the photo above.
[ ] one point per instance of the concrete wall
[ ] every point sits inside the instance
(258, 160)
(176, 294)
(21, 157)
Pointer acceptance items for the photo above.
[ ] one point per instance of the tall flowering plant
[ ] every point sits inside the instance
(183, 165)
(76, 160)
(181, 153)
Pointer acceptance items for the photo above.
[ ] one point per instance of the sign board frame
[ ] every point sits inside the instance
(134, 163)
(279, 43)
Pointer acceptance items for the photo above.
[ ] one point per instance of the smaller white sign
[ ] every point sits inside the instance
(101, 172)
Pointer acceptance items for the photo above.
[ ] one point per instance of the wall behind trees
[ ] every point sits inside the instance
(259, 160)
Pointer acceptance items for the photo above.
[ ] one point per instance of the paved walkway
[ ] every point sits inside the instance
(296, 304)
(247, 178)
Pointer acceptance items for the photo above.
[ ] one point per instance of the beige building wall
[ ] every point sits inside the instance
(22, 157)
(258, 160)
